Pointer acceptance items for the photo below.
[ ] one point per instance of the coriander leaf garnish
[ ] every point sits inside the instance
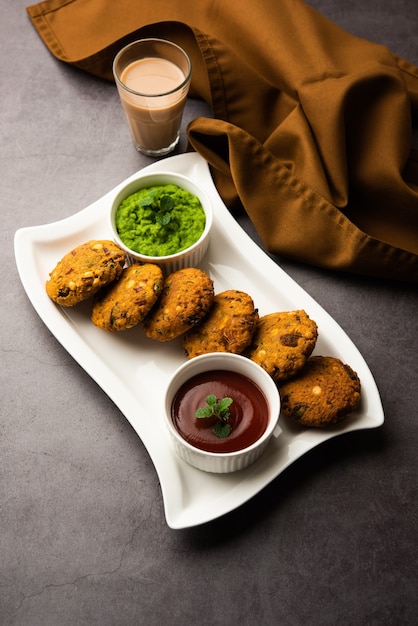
(218, 409)
(165, 205)
(162, 206)
(162, 218)
(222, 430)
(149, 198)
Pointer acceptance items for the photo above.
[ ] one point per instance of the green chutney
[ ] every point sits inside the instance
(160, 220)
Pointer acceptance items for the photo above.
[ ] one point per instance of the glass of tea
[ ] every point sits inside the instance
(153, 80)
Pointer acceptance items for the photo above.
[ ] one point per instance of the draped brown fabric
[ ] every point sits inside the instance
(311, 128)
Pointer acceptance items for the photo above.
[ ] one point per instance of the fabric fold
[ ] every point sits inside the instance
(279, 203)
(312, 127)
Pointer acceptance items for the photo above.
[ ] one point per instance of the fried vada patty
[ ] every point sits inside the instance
(186, 298)
(228, 327)
(84, 270)
(125, 302)
(324, 392)
(282, 342)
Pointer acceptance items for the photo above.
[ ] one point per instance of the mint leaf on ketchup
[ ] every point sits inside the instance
(220, 410)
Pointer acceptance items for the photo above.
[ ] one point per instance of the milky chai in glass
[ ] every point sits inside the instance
(153, 79)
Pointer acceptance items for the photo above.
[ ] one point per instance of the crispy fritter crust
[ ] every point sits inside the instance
(324, 392)
(84, 270)
(228, 327)
(124, 303)
(282, 342)
(186, 298)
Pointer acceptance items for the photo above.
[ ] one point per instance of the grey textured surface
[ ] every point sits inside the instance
(83, 539)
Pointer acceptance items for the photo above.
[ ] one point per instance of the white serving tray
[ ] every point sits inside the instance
(134, 370)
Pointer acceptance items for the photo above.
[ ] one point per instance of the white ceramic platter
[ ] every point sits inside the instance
(134, 370)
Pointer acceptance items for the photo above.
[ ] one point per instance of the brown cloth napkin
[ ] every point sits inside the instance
(312, 128)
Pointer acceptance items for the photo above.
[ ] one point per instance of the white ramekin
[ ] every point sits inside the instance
(228, 461)
(190, 257)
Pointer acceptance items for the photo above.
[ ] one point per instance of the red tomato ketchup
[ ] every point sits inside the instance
(248, 413)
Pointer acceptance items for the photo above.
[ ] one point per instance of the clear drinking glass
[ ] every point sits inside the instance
(153, 80)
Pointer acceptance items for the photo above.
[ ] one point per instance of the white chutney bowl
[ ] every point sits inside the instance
(222, 462)
(189, 257)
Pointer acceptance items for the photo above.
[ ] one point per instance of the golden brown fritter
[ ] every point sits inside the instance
(228, 327)
(324, 392)
(186, 298)
(282, 342)
(125, 302)
(84, 270)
